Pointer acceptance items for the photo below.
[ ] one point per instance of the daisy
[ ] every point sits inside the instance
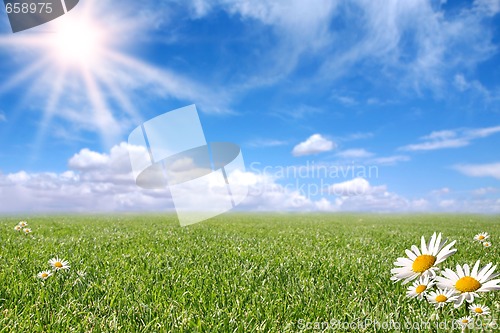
(422, 262)
(467, 283)
(420, 288)
(440, 297)
(465, 322)
(482, 237)
(18, 228)
(59, 263)
(23, 224)
(479, 310)
(27, 230)
(44, 275)
(486, 244)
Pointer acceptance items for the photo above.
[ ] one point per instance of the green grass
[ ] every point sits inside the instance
(235, 273)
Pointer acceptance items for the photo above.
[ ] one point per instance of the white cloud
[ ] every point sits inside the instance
(88, 160)
(267, 143)
(488, 7)
(480, 170)
(315, 144)
(2, 117)
(96, 182)
(390, 160)
(103, 182)
(355, 153)
(484, 191)
(359, 195)
(356, 186)
(451, 138)
(447, 203)
(441, 191)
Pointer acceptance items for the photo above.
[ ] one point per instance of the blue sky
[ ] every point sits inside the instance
(409, 87)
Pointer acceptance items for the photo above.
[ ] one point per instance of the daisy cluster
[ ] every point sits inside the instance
(442, 287)
(483, 238)
(22, 226)
(57, 265)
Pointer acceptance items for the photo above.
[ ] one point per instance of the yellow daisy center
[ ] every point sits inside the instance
(467, 284)
(478, 310)
(465, 321)
(44, 275)
(481, 237)
(441, 298)
(58, 264)
(421, 288)
(423, 263)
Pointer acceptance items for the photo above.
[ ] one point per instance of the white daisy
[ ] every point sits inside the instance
(440, 297)
(466, 322)
(422, 262)
(44, 275)
(482, 237)
(479, 310)
(23, 224)
(486, 244)
(27, 230)
(59, 263)
(18, 228)
(467, 283)
(420, 287)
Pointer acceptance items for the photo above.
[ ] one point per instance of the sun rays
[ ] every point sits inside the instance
(67, 61)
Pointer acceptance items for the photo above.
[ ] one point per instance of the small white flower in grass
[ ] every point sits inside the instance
(23, 224)
(479, 310)
(18, 228)
(59, 263)
(466, 283)
(486, 244)
(422, 262)
(440, 297)
(27, 230)
(482, 237)
(420, 288)
(466, 322)
(44, 275)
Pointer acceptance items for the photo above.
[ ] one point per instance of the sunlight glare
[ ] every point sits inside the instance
(77, 42)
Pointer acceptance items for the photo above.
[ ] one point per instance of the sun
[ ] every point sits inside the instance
(77, 42)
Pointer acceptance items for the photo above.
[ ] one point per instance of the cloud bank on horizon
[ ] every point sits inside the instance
(385, 104)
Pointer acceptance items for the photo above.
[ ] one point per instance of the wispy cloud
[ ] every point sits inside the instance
(384, 33)
(266, 143)
(485, 190)
(356, 136)
(389, 160)
(3, 118)
(315, 144)
(297, 113)
(354, 153)
(480, 170)
(451, 138)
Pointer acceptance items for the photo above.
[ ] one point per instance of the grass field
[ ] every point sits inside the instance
(235, 273)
